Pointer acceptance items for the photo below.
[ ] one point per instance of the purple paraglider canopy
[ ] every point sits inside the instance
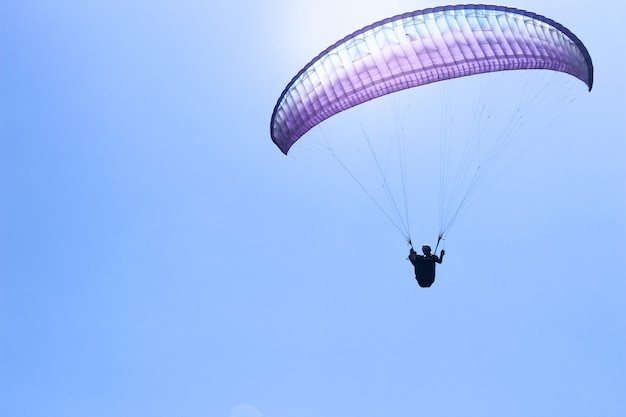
(418, 48)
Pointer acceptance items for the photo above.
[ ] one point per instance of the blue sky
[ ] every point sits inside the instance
(159, 256)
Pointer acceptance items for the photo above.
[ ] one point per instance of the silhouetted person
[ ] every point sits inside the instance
(425, 265)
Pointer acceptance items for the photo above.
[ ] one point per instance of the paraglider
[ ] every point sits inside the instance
(425, 265)
(420, 48)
